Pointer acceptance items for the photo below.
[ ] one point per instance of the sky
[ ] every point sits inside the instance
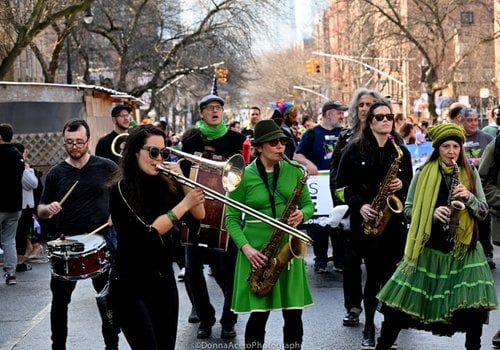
(291, 25)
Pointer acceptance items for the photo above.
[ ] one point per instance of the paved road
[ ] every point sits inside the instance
(25, 319)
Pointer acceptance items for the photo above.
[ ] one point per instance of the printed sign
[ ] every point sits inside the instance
(319, 188)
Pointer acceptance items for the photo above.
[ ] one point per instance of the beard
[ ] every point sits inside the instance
(78, 154)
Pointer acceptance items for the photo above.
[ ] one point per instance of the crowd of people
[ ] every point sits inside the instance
(423, 237)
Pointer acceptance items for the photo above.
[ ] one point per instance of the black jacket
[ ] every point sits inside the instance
(362, 175)
(11, 189)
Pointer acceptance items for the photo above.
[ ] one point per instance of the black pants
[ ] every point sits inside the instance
(61, 297)
(255, 329)
(222, 265)
(380, 264)
(485, 236)
(24, 227)
(352, 275)
(147, 312)
(392, 326)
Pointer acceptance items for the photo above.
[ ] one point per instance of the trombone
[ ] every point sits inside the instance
(237, 205)
(230, 170)
(232, 173)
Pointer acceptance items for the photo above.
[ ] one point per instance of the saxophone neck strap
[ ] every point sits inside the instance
(271, 188)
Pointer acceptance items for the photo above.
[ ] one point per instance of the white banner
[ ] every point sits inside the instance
(319, 188)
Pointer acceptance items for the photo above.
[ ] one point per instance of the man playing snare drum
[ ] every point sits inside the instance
(78, 211)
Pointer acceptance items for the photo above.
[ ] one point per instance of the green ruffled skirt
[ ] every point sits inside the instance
(441, 287)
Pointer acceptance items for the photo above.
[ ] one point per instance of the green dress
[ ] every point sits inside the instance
(291, 291)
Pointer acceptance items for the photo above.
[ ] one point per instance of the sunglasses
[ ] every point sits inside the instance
(274, 143)
(154, 152)
(380, 117)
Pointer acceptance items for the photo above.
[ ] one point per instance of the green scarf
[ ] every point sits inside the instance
(212, 132)
(423, 210)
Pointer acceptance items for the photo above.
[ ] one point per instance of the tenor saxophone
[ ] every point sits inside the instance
(262, 280)
(385, 202)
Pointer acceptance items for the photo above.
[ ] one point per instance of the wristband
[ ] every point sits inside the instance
(171, 215)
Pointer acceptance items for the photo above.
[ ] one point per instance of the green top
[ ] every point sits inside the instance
(291, 290)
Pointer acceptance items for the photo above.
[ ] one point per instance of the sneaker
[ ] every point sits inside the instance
(351, 319)
(496, 339)
(320, 270)
(10, 279)
(180, 276)
(193, 316)
(491, 263)
(23, 267)
(368, 338)
(228, 332)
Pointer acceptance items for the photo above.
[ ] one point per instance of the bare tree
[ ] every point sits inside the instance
(146, 46)
(278, 73)
(22, 21)
(432, 29)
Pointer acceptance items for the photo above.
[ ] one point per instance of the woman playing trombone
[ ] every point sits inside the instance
(267, 185)
(145, 206)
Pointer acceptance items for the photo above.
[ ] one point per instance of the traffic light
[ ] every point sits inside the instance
(310, 67)
(317, 66)
(222, 74)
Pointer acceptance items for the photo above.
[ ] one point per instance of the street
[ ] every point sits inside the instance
(25, 318)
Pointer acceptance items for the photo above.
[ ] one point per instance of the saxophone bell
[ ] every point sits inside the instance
(457, 205)
(394, 204)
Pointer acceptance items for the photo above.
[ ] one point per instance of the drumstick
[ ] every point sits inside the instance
(97, 229)
(66, 195)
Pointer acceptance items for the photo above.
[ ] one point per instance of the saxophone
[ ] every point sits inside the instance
(385, 202)
(262, 280)
(453, 204)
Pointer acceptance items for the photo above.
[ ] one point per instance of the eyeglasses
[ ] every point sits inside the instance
(214, 108)
(380, 117)
(77, 144)
(274, 143)
(154, 152)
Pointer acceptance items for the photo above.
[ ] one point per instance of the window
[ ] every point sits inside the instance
(467, 18)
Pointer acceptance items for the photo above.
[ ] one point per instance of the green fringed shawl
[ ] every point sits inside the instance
(424, 202)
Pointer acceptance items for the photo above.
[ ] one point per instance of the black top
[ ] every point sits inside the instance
(142, 252)
(226, 146)
(363, 174)
(87, 207)
(11, 174)
(103, 147)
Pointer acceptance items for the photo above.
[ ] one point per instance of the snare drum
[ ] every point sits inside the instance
(79, 257)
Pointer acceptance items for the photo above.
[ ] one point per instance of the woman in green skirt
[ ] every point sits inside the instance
(268, 184)
(443, 284)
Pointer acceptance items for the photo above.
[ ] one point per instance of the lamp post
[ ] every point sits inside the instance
(88, 17)
(484, 93)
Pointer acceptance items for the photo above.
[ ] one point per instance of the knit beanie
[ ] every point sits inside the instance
(443, 132)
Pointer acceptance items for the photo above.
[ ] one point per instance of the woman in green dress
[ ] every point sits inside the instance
(268, 183)
(443, 284)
